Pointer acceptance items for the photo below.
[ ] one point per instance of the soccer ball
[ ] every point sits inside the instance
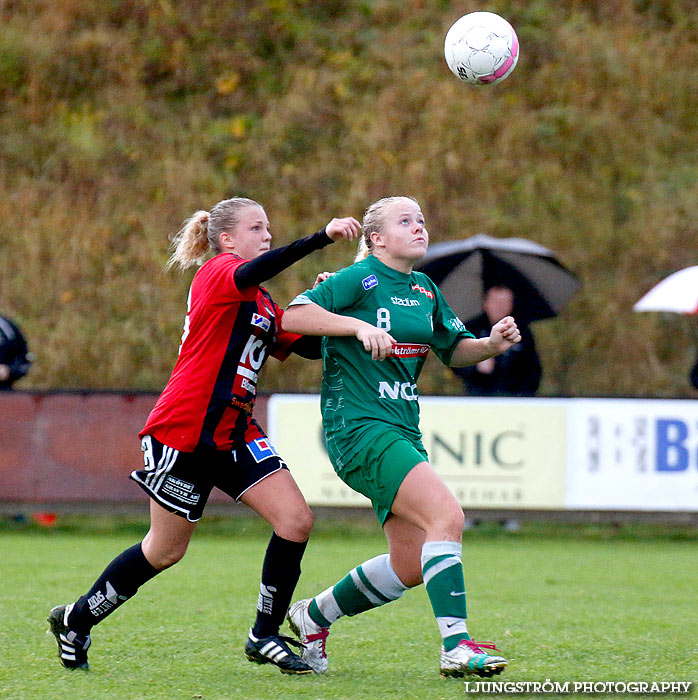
(481, 48)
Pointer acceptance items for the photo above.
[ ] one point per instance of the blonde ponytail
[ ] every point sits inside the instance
(202, 231)
(190, 244)
(363, 250)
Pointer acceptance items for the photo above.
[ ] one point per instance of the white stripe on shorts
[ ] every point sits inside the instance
(154, 480)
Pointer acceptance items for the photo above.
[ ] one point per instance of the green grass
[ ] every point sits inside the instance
(583, 604)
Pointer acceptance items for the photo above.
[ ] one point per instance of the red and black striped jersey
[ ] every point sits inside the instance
(228, 335)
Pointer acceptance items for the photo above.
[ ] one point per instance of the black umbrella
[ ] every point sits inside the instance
(464, 269)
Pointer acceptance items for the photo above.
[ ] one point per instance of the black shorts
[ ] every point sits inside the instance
(181, 482)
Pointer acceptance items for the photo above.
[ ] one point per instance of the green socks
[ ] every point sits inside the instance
(369, 585)
(442, 571)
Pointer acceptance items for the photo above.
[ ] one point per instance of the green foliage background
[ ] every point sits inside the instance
(119, 118)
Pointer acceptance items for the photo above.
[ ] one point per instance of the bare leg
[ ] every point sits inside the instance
(426, 502)
(168, 537)
(278, 500)
(405, 541)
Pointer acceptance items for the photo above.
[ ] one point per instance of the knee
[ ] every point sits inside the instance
(457, 521)
(296, 524)
(163, 557)
(303, 524)
(451, 521)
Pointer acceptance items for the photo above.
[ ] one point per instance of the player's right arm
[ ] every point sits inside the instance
(471, 351)
(308, 318)
(326, 310)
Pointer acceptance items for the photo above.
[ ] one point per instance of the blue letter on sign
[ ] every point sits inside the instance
(672, 453)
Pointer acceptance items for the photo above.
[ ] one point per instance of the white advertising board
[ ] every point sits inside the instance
(591, 454)
(295, 428)
(632, 454)
(491, 454)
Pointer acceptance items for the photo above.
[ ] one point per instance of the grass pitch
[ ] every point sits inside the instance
(562, 603)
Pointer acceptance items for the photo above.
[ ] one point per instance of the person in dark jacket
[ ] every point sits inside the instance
(15, 359)
(516, 372)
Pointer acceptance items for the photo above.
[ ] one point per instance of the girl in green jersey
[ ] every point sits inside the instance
(370, 418)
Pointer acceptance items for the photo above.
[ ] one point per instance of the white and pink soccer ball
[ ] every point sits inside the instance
(481, 48)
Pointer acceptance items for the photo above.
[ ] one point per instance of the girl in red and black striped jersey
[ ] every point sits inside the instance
(201, 433)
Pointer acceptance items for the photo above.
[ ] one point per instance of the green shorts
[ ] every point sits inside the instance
(377, 470)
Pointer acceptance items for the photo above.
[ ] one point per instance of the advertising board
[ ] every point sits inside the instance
(496, 454)
(632, 454)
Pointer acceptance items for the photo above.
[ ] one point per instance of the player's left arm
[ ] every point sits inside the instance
(274, 261)
(470, 351)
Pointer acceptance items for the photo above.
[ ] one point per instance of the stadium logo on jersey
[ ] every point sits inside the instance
(369, 282)
(260, 322)
(261, 449)
(422, 290)
(398, 301)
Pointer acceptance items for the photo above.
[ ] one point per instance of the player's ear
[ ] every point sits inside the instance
(227, 240)
(376, 238)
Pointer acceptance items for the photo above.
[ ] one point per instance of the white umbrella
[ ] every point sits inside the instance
(677, 293)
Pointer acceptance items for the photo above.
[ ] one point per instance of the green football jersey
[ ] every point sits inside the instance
(362, 397)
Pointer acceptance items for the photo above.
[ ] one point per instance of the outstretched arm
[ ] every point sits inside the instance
(470, 351)
(271, 263)
(312, 319)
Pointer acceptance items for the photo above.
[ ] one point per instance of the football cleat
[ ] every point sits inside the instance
(311, 635)
(72, 647)
(275, 650)
(470, 658)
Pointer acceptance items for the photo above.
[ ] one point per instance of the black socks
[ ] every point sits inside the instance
(280, 574)
(130, 570)
(116, 584)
